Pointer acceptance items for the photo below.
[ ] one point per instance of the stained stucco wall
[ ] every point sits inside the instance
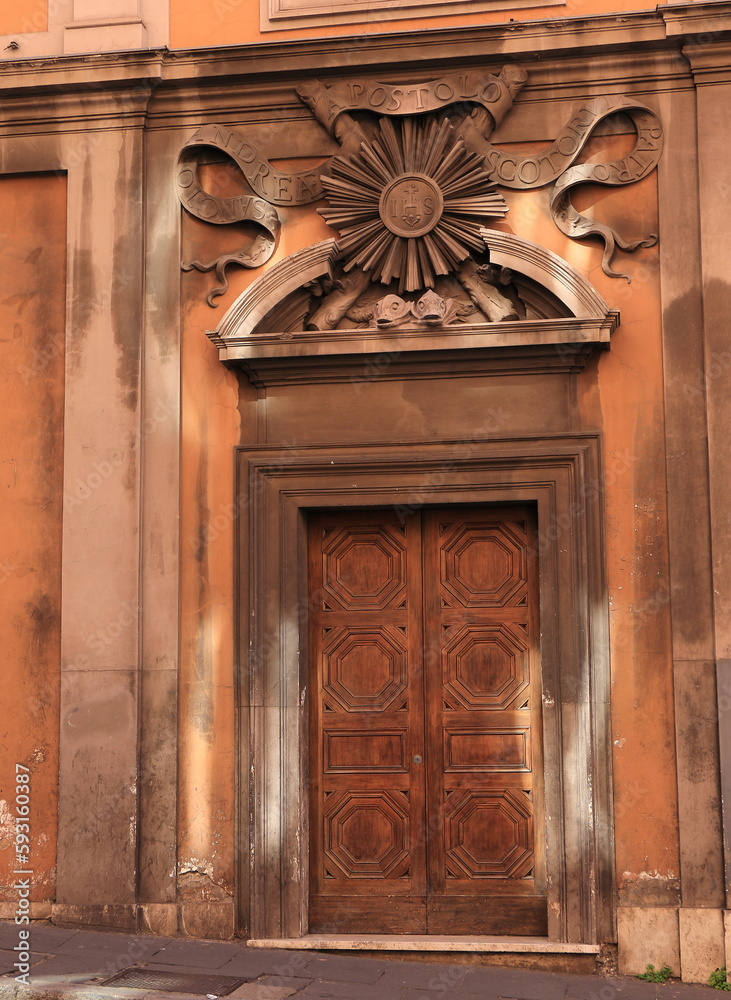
(32, 316)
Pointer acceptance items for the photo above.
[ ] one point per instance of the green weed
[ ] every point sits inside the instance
(718, 980)
(653, 975)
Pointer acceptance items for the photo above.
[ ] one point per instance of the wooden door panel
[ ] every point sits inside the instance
(426, 802)
(484, 666)
(482, 561)
(502, 916)
(363, 669)
(366, 714)
(481, 744)
(483, 723)
(363, 566)
(366, 914)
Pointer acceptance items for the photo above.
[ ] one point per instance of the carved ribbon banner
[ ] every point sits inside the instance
(244, 208)
(494, 93)
(555, 164)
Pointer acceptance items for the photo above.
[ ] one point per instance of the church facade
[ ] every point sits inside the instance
(365, 472)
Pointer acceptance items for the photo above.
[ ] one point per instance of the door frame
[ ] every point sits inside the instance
(561, 475)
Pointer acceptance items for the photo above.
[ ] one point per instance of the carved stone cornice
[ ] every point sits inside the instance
(710, 18)
(704, 29)
(108, 70)
(66, 92)
(510, 348)
(191, 71)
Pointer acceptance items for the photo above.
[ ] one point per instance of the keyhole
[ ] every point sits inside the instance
(417, 759)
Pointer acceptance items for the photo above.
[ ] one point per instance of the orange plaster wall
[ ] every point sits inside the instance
(631, 393)
(210, 430)
(621, 392)
(630, 384)
(23, 16)
(32, 316)
(202, 23)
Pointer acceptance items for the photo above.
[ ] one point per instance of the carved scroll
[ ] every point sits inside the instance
(224, 211)
(554, 164)
(276, 187)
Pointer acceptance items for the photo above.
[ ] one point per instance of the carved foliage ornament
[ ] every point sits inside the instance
(377, 187)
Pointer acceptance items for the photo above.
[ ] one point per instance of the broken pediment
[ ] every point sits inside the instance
(516, 308)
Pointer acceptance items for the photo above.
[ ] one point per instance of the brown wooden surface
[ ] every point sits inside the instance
(426, 801)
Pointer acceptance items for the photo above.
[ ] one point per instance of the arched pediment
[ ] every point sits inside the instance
(305, 319)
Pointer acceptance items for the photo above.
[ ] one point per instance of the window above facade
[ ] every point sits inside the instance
(281, 14)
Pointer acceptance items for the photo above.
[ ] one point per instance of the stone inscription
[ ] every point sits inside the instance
(522, 172)
(276, 187)
(495, 93)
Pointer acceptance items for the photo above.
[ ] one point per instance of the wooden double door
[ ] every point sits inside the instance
(426, 790)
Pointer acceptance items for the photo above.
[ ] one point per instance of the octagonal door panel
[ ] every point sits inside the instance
(426, 804)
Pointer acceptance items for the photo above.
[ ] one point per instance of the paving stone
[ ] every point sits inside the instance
(254, 962)
(48, 937)
(68, 969)
(515, 984)
(627, 988)
(8, 957)
(683, 991)
(430, 977)
(9, 934)
(454, 993)
(184, 970)
(328, 990)
(85, 957)
(338, 968)
(295, 982)
(106, 961)
(254, 991)
(200, 954)
(121, 950)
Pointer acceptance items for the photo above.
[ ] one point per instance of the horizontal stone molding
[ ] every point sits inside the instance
(583, 42)
(545, 346)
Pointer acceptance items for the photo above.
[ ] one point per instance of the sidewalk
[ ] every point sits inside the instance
(70, 963)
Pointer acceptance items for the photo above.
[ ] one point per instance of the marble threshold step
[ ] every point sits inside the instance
(433, 942)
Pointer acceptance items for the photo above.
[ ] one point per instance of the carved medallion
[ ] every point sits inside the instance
(410, 204)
